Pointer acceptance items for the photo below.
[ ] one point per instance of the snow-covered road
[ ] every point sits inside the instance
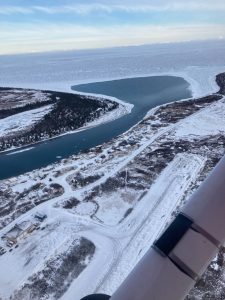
(120, 243)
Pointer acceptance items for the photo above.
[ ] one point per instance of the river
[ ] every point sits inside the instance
(143, 92)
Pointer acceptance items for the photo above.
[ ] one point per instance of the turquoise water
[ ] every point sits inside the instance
(144, 92)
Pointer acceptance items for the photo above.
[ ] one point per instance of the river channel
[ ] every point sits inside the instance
(143, 92)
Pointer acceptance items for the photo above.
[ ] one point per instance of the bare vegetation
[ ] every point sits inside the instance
(12, 205)
(59, 272)
(70, 112)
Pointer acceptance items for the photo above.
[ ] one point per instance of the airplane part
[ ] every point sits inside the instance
(96, 297)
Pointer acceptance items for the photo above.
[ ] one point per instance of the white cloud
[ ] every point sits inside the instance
(48, 37)
(31, 36)
(122, 6)
(9, 10)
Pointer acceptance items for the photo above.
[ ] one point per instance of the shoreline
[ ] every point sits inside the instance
(208, 74)
(149, 114)
(194, 86)
(127, 107)
(123, 109)
(126, 179)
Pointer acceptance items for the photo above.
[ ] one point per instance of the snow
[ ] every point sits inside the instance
(119, 244)
(85, 208)
(22, 121)
(19, 151)
(215, 266)
(111, 210)
(31, 254)
(205, 122)
(123, 109)
(151, 215)
(197, 62)
(16, 97)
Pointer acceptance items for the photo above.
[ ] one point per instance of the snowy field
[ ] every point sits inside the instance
(17, 99)
(22, 121)
(119, 242)
(152, 214)
(120, 196)
(206, 123)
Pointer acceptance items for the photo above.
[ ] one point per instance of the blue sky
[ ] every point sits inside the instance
(40, 25)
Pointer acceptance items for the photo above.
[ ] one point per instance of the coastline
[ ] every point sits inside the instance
(114, 199)
(110, 116)
(127, 179)
(197, 88)
(118, 128)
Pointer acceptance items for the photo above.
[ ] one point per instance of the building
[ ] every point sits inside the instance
(19, 231)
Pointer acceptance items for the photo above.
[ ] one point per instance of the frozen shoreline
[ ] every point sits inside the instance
(202, 83)
(123, 109)
(120, 245)
(111, 240)
(201, 80)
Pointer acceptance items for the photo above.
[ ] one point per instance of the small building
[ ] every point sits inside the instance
(40, 217)
(19, 231)
(12, 235)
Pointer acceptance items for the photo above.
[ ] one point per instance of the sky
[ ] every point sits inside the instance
(47, 25)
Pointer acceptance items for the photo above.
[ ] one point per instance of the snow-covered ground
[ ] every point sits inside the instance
(123, 109)
(23, 120)
(15, 123)
(152, 214)
(205, 124)
(119, 245)
(122, 196)
(17, 99)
